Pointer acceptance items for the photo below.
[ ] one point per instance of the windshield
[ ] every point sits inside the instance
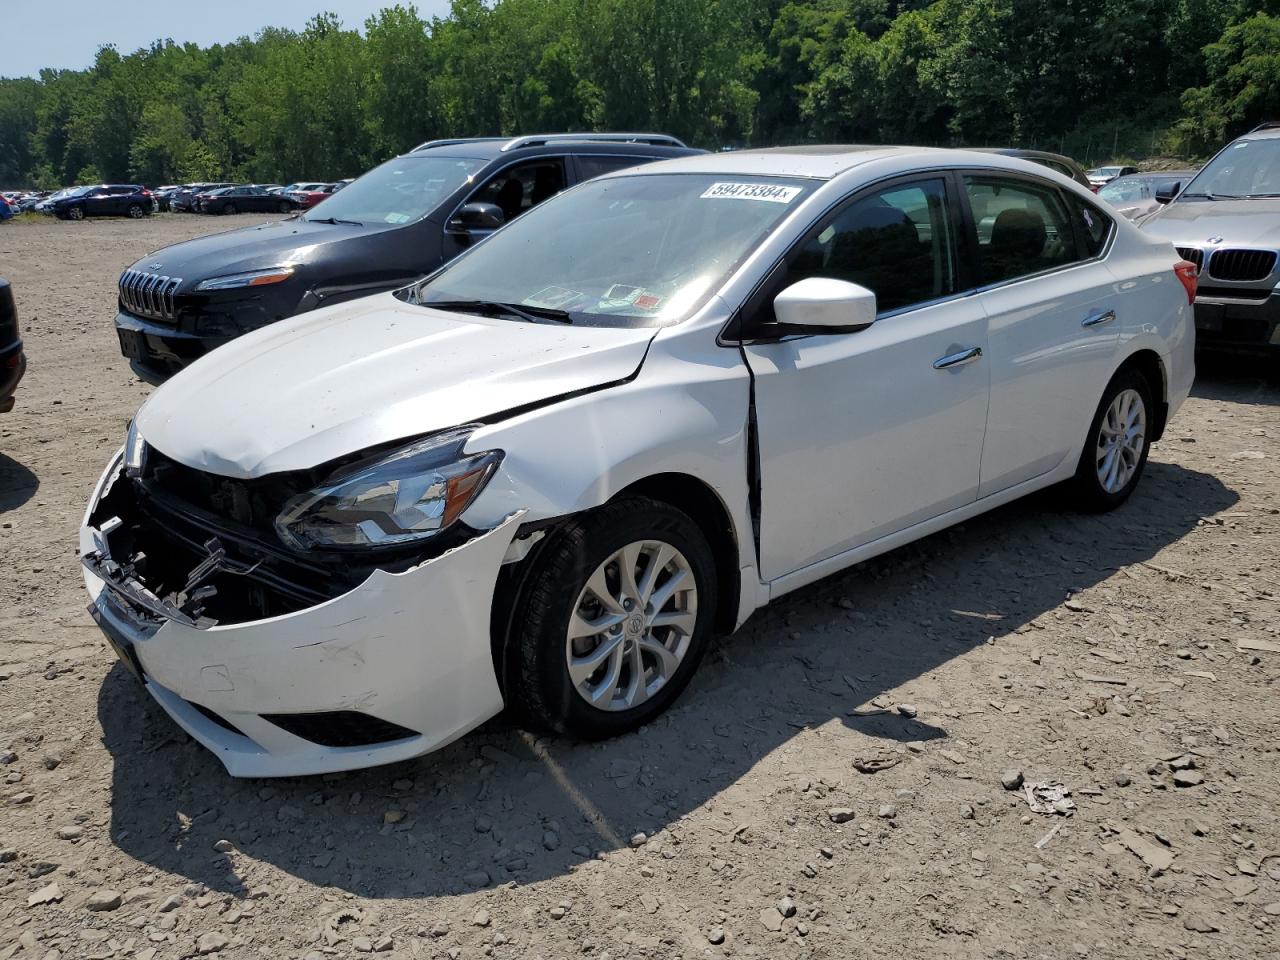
(78, 191)
(399, 191)
(1247, 168)
(1128, 189)
(640, 250)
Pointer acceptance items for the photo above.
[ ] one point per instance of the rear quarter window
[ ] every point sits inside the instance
(1095, 226)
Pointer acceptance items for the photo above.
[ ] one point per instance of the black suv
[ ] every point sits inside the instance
(394, 225)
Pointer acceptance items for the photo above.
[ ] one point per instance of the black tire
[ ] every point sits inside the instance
(136, 211)
(538, 684)
(229, 208)
(285, 206)
(1087, 487)
(75, 213)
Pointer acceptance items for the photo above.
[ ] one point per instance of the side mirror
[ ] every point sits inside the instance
(477, 217)
(824, 305)
(1166, 192)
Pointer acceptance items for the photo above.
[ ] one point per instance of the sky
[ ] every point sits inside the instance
(67, 33)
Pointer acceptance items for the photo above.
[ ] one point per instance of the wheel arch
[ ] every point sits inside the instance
(685, 492)
(1148, 363)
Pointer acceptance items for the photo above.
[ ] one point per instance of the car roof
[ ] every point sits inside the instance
(824, 162)
(1024, 153)
(1147, 174)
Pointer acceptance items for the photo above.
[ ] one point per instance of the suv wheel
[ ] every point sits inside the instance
(228, 208)
(616, 617)
(76, 213)
(136, 211)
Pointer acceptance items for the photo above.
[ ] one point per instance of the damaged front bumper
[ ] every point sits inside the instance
(395, 667)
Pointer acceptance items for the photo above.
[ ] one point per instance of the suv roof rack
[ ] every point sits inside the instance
(1267, 125)
(449, 143)
(542, 139)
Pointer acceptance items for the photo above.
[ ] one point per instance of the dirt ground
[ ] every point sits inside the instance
(1118, 655)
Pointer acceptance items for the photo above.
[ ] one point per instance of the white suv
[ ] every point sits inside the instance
(546, 474)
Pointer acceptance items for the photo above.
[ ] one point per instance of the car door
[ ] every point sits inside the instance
(1051, 305)
(97, 202)
(864, 434)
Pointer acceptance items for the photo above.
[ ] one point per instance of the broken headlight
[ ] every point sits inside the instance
(409, 494)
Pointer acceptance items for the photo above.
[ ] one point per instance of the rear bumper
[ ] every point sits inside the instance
(408, 650)
(13, 364)
(1238, 326)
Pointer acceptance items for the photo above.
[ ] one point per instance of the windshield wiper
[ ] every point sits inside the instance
(1210, 196)
(532, 314)
(354, 223)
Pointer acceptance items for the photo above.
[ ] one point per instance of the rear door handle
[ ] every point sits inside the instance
(1095, 319)
(967, 355)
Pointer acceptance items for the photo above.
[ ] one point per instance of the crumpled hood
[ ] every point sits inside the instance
(1249, 223)
(251, 248)
(341, 379)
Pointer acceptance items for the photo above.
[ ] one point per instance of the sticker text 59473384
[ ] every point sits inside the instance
(768, 192)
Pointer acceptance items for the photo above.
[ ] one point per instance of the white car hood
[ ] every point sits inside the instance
(302, 392)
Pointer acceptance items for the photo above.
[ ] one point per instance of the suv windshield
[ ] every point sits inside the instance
(399, 191)
(639, 250)
(1247, 168)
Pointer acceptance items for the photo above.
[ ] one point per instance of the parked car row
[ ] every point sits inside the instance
(528, 420)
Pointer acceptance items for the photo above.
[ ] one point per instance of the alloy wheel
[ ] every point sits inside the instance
(1122, 435)
(632, 625)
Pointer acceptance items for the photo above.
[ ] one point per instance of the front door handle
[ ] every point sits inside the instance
(1095, 319)
(967, 355)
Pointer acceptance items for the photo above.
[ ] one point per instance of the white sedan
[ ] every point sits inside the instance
(544, 476)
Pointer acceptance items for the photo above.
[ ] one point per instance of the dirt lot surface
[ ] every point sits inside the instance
(1120, 656)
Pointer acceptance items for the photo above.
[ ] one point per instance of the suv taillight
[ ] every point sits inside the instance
(1189, 277)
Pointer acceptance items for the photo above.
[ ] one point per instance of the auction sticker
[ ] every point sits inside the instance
(768, 192)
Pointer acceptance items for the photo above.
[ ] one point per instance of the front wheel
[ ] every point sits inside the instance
(76, 213)
(285, 206)
(228, 208)
(1119, 441)
(616, 617)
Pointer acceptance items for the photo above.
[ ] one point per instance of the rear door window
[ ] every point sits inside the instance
(1023, 228)
(595, 166)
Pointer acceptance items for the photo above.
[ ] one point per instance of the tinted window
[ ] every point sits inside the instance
(518, 188)
(1023, 228)
(589, 167)
(898, 242)
(401, 190)
(1094, 225)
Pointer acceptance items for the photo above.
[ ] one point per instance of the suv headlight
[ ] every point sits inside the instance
(410, 494)
(254, 278)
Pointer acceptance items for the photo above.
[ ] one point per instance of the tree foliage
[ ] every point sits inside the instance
(330, 100)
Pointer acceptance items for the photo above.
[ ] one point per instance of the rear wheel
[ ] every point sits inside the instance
(1119, 441)
(136, 211)
(285, 206)
(615, 619)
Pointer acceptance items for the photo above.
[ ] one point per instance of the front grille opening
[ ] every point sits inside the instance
(149, 295)
(1193, 254)
(1242, 266)
(217, 718)
(340, 728)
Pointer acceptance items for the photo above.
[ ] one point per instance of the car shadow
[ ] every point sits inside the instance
(17, 484)
(504, 805)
